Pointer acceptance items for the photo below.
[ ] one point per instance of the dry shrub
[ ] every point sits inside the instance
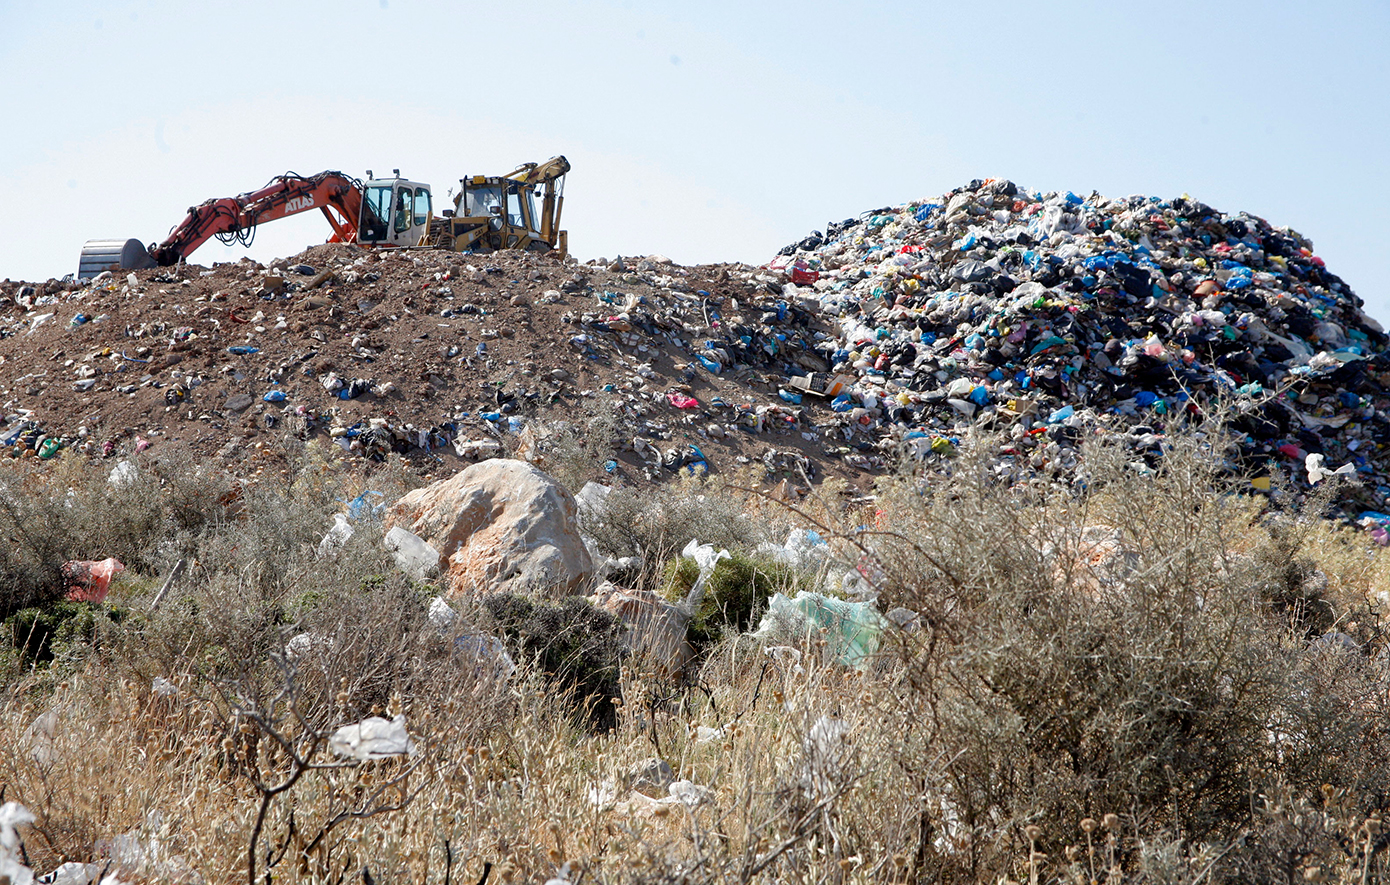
(50, 514)
(1131, 680)
(657, 523)
(1168, 679)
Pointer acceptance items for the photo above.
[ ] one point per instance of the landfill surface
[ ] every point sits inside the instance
(440, 357)
(1045, 318)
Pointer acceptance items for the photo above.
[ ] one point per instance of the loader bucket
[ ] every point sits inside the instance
(100, 255)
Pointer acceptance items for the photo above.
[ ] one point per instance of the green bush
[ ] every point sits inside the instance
(39, 634)
(577, 646)
(735, 594)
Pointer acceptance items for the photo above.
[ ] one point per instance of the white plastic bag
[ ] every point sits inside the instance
(415, 557)
(373, 738)
(337, 536)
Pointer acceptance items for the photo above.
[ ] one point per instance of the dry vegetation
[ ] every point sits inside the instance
(1152, 679)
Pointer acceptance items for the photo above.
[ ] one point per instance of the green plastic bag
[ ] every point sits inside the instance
(854, 630)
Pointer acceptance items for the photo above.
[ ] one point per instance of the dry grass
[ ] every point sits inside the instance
(1126, 683)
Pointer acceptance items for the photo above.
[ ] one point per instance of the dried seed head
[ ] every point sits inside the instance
(1034, 832)
(485, 753)
(1089, 824)
(1111, 821)
(555, 856)
(846, 864)
(900, 860)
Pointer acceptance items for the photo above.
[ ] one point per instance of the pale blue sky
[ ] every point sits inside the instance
(706, 131)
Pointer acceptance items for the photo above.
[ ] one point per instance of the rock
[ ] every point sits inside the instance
(238, 403)
(501, 526)
(652, 777)
(656, 629)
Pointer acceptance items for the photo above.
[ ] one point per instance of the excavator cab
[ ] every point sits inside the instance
(395, 212)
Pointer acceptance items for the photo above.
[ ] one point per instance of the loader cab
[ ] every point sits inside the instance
(395, 212)
(505, 203)
(495, 213)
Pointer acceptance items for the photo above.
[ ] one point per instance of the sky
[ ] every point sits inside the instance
(712, 131)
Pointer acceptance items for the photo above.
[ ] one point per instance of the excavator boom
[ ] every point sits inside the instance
(490, 213)
(234, 219)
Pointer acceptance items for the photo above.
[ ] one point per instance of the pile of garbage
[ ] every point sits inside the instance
(1044, 317)
(1053, 316)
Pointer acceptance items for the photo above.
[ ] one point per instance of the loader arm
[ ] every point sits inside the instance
(234, 219)
(550, 176)
(540, 173)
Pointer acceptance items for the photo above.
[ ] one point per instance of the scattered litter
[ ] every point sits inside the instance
(12, 816)
(337, 536)
(852, 630)
(413, 554)
(90, 581)
(373, 738)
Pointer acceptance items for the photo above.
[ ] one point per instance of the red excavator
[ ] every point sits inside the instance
(385, 212)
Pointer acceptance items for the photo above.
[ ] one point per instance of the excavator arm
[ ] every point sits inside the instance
(234, 219)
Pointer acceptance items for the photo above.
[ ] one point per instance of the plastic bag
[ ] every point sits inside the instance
(804, 549)
(413, 554)
(853, 629)
(12, 815)
(373, 738)
(90, 581)
(337, 536)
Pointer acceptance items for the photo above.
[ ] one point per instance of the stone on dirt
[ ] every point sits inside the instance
(501, 526)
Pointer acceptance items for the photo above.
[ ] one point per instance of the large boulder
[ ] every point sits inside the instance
(500, 526)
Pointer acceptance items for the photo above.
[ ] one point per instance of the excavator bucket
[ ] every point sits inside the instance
(100, 255)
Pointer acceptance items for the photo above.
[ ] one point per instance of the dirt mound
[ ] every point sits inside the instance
(426, 353)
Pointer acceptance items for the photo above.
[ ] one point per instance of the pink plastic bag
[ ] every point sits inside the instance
(90, 581)
(681, 401)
